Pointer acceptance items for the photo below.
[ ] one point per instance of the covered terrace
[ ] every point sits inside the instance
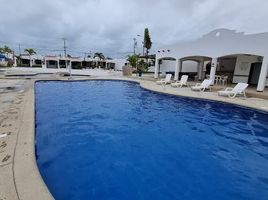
(222, 52)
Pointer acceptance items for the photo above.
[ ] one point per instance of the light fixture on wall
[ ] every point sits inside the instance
(259, 58)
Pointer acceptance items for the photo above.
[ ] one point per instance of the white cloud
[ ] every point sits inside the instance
(110, 25)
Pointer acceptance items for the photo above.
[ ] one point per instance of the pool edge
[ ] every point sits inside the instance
(28, 181)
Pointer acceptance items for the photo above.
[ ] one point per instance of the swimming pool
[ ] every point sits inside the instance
(115, 140)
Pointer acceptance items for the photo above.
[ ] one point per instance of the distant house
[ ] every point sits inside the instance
(3, 57)
(3, 60)
(24, 60)
(241, 57)
(61, 62)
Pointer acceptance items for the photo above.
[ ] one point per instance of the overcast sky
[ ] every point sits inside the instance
(109, 26)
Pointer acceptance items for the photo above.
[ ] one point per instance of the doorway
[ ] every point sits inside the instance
(254, 73)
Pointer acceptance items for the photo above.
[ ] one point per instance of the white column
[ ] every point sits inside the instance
(156, 68)
(181, 62)
(15, 62)
(200, 68)
(263, 74)
(45, 63)
(177, 69)
(31, 63)
(213, 69)
(70, 68)
(58, 64)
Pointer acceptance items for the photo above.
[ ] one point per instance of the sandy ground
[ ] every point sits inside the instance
(19, 176)
(12, 100)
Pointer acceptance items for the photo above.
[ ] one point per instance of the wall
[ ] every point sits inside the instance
(52, 64)
(227, 65)
(169, 65)
(119, 63)
(218, 43)
(189, 66)
(242, 68)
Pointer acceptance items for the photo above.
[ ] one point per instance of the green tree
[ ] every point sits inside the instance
(147, 43)
(99, 55)
(30, 52)
(142, 66)
(6, 50)
(2, 50)
(133, 60)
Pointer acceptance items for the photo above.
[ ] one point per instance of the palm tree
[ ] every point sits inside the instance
(133, 60)
(99, 55)
(6, 50)
(30, 52)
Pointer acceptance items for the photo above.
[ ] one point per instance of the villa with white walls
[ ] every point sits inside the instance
(61, 62)
(241, 57)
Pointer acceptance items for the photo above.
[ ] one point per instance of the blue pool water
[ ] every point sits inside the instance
(113, 140)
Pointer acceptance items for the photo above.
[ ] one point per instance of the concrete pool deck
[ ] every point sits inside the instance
(250, 102)
(20, 178)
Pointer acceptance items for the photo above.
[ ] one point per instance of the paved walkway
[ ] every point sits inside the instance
(252, 102)
(251, 90)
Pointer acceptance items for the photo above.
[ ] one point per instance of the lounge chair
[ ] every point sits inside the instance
(203, 86)
(180, 83)
(239, 89)
(165, 81)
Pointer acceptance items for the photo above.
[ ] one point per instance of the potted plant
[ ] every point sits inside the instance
(133, 61)
(142, 67)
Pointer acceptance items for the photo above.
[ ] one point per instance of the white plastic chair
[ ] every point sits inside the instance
(181, 83)
(224, 80)
(165, 81)
(217, 79)
(203, 86)
(239, 89)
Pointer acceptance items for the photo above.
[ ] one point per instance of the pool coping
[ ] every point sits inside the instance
(28, 181)
(224, 100)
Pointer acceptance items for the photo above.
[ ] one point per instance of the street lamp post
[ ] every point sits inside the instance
(135, 44)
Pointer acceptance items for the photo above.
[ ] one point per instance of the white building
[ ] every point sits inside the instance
(29, 61)
(119, 63)
(242, 57)
(61, 62)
